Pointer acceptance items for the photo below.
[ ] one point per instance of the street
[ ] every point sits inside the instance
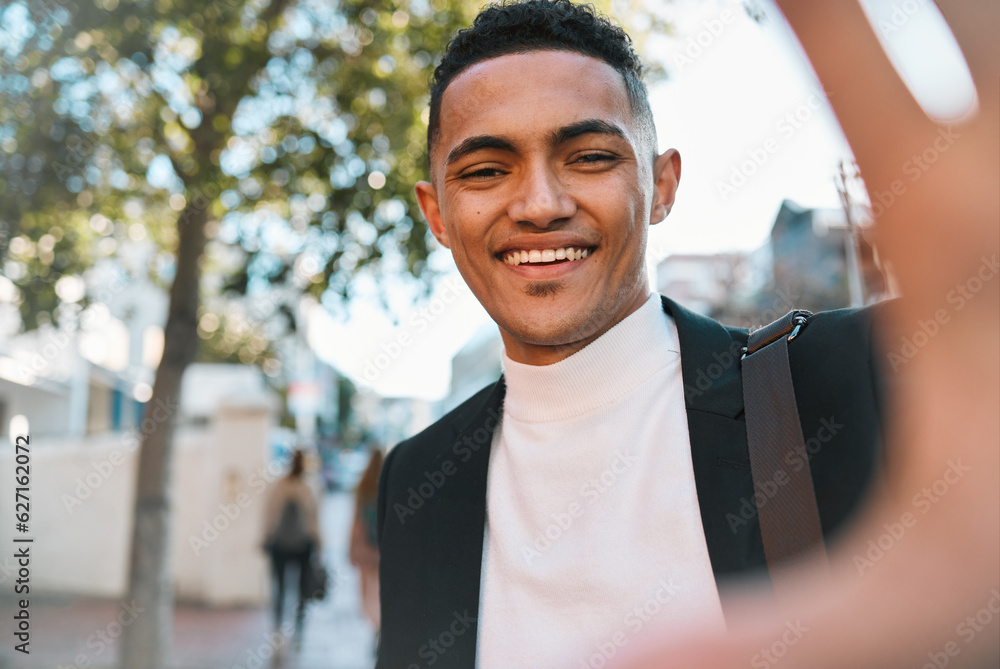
(71, 633)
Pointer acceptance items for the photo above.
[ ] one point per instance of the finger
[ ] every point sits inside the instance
(874, 107)
(920, 177)
(976, 24)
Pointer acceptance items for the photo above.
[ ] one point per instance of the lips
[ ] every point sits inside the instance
(545, 256)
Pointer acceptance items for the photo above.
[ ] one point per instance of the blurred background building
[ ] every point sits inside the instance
(812, 260)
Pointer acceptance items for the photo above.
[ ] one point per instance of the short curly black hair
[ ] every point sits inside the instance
(509, 27)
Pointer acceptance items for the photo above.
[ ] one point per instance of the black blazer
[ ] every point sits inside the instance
(432, 491)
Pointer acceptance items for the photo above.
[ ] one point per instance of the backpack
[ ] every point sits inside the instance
(290, 535)
(789, 522)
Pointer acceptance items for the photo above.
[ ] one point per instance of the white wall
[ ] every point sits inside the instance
(33, 402)
(219, 526)
(83, 493)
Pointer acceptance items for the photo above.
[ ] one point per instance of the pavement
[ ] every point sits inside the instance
(73, 633)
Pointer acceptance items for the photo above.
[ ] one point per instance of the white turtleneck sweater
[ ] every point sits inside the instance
(593, 527)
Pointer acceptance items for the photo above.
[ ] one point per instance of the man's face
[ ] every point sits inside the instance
(543, 186)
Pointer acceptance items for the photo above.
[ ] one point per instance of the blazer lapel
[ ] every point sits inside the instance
(457, 534)
(713, 395)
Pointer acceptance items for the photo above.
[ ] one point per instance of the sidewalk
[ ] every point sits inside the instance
(68, 633)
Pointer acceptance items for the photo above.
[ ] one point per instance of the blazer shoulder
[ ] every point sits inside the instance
(848, 317)
(834, 337)
(737, 334)
(409, 460)
(836, 377)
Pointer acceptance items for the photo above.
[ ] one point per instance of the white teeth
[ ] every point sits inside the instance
(545, 255)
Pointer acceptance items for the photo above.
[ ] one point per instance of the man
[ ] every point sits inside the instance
(603, 484)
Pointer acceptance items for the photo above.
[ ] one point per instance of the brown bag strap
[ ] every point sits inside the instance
(786, 502)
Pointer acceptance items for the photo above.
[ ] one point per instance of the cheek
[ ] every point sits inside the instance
(630, 240)
(468, 250)
(471, 231)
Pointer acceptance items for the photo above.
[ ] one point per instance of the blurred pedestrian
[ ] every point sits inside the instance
(292, 536)
(364, 537)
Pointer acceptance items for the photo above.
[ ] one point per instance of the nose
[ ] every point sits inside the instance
(542, 199)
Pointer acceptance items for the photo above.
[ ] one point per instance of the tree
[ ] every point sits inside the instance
(291, 131)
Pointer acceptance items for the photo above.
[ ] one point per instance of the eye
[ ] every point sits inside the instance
(482, 173)
(594, 158)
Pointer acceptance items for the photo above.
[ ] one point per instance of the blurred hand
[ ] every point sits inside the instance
(916, 579)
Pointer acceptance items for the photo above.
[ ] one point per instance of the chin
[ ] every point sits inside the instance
(551, 329)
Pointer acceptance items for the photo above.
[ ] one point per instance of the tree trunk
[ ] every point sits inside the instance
(146, 642)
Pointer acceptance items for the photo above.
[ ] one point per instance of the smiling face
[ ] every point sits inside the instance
(544, 184)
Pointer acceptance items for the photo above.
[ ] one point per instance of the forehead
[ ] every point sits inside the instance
(520, 96)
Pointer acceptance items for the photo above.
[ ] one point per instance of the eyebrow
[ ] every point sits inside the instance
(589, 126)
(477, 143)
(560, 136)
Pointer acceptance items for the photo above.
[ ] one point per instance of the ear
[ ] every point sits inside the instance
(428, 200)
(666, 175)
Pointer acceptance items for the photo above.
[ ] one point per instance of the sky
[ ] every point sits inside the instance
(743, 107)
